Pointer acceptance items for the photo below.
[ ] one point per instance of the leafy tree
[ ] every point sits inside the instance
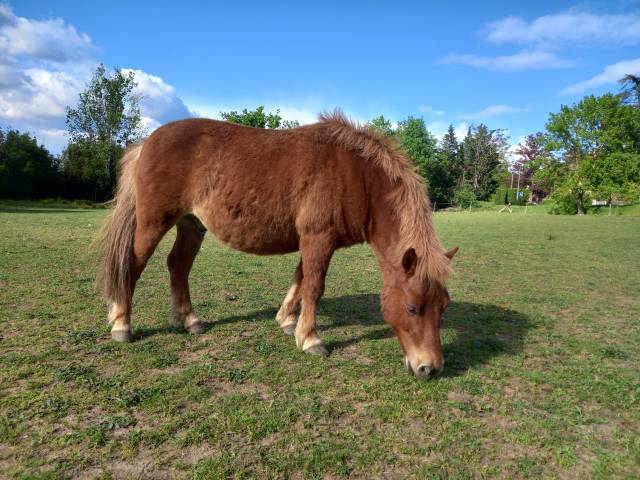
(255, 118)
(464, 197)
(484, 160)
(452, 156)
(85, 174)
(593, 127)
(631, 90)
(421, 147)
(530, 153)
(382, 126)
(592, 131)
(27, 170)
(548, 172)
(105, 121)
(287, 124)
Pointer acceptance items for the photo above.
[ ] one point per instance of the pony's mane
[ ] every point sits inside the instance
(409, 199)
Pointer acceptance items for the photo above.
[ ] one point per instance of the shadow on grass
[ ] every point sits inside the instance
(473, 333)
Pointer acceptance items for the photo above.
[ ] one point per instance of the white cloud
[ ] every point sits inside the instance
(41, 96)
(492, 111)
(430, 110)
(302, 115)
(546, 34)
(45, 64)
(49, 40)
(524, 60)
(609, 76)
(159, 102)
(569, 27)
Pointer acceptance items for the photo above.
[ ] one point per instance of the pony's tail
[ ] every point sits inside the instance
(116, 237)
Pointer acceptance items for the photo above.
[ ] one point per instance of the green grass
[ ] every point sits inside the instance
(49, 203)
(542, 345)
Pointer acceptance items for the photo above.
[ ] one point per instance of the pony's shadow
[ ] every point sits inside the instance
(472, 333)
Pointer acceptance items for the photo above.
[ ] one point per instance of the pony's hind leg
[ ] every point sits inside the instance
(316, 253)
(146, 238)
(286, 316)
(186, 247)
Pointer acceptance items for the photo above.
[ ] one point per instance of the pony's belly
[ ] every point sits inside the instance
(250, 243)
(257, 234)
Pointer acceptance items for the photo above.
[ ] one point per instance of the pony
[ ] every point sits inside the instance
(311, 189)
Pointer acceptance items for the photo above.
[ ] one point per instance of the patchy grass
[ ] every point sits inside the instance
(541, 343)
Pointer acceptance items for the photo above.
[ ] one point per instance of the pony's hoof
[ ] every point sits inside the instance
(121, 336)
(289, 329)
(318, 349)
(196, 328)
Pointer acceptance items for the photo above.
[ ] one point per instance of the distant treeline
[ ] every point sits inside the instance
(590, 150)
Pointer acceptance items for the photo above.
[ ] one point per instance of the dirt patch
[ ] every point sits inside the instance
(353, 353)
(458, 397)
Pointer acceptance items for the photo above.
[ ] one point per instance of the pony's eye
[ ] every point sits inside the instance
(412, 310)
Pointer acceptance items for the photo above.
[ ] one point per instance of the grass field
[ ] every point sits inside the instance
(542, 345)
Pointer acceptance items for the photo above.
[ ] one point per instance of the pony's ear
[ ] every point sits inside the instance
(451, 253)
(409, 262)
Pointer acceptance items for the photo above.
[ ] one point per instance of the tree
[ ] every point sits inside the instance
(592, 131)
(484, 153)
(452, 162)
(255, 118)
(105, 121)
(381, 126)
(451, 151)
(27, 170)
(614, 176)
(529, 159)
(631, 90)
(421, 147)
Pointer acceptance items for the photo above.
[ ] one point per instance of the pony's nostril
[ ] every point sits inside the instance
(425, 371)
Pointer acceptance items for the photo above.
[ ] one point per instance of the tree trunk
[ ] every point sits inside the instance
(581, 210)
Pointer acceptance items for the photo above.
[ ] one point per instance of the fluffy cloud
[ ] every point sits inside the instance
(569, 27)
(492, 111)
(159, 102)
(609, 76)
(48, 40)
(546, 34)
(45, 64)
(524, 60)
(430, 110)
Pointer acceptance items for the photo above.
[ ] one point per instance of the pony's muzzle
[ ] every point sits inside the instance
(424, 371)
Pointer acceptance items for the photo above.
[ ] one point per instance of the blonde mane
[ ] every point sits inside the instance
(409, 199)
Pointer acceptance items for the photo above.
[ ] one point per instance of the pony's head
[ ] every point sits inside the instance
(413, 306)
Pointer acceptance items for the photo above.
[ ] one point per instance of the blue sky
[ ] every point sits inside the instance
(501, 63)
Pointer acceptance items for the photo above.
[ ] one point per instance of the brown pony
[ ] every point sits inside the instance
(314, 189)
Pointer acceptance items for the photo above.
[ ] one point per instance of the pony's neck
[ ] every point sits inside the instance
(384, 232)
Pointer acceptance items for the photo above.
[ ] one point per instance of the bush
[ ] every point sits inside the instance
(464, 197)
(506, 195)
(563, 202)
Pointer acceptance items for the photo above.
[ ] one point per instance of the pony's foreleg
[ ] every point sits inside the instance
(316, 253)
(286, 316)
(180, 260)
